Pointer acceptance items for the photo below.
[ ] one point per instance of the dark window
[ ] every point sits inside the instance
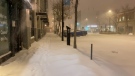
(4, 43)
(32, 23)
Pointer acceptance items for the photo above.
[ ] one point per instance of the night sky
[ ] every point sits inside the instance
(89, 8)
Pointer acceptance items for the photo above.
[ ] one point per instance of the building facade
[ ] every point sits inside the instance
(126, 22)
(21, 23)
(4, 29)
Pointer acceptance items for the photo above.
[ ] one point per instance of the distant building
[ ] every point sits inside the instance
(126, 22)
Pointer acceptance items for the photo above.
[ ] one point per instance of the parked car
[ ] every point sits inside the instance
(78, 33)
(84, 33)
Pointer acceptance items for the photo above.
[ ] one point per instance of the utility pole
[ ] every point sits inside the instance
(75, 27)
(62, 20)
(109, 25)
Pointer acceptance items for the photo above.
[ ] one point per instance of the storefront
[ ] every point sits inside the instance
(4, 28)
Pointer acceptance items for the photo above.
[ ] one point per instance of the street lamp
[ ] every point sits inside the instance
(109, 13)
(86, 21)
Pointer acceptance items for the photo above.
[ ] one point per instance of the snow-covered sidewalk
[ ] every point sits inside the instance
(51, 57)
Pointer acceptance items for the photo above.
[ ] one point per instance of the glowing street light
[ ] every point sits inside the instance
(86, 19)
(110, 11)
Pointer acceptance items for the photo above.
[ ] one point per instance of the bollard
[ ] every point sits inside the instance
(91, 51)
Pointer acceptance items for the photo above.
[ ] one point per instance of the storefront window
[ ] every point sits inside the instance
(4, 43)
(32, 23)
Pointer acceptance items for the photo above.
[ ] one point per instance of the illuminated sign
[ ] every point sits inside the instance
(92, 26)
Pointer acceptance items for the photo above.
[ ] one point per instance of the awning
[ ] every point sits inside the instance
(41, 13)
(27, 4)
(45, 20)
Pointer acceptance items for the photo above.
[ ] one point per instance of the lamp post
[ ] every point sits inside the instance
(75, 27)
(86, 21)
(62, 19)
(109, 12)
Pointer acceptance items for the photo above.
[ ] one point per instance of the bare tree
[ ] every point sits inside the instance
(125, 10)
(57, 12)
(114, 19)
(75, 26)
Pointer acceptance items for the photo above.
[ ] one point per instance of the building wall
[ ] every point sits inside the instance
(38, 6)
(5, 34)
(131, 27)
(20, 25)
(126, 23)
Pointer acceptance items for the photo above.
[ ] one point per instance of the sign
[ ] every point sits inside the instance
(66, 2)
(41, 13)
(13, 23)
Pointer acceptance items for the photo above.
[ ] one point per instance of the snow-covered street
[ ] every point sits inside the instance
(113, 56)
(115, 52)
(51, 57)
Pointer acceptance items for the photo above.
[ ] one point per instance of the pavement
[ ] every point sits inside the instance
(51, 57)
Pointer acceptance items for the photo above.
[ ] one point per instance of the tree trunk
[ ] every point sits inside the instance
(75, 27)
(59, 29)
(62, 38)
(55, 27)
(126, 26)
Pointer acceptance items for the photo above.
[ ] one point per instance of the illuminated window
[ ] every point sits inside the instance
(123, 18)
(120, 19)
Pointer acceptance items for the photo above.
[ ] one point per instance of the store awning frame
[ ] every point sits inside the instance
(41, 13)
(27, 4)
